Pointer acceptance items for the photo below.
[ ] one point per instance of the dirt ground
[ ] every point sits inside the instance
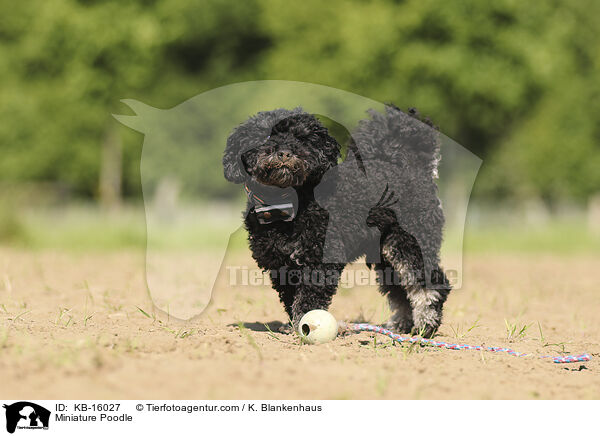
(71, 329)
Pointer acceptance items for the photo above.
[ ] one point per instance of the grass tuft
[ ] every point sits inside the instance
(458, 334)
(513, 332)
(250, 339)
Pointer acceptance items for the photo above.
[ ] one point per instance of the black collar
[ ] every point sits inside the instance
(271, 203)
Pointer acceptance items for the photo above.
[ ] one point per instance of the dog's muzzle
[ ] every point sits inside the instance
(275, 170)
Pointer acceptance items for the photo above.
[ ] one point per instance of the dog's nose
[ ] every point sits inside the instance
(284, 155)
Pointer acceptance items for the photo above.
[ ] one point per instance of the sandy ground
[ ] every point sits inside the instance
(71, 329)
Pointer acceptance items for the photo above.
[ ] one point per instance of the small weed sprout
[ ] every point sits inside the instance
(270, 332)
(63, 318)
(561, 346)
(513, 332)
(458, 334)
(250, 339)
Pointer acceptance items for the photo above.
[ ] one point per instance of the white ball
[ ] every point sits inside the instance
(317, 327)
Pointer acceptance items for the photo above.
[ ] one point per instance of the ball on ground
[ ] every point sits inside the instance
(317, 327)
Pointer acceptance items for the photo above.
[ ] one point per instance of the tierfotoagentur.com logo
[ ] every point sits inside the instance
(242, 275)
(24, 415)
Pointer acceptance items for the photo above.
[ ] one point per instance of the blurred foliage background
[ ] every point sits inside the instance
(514, 82)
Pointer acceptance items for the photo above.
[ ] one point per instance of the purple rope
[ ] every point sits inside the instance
(416, 339)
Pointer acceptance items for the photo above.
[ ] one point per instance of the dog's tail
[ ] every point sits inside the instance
(399, 137)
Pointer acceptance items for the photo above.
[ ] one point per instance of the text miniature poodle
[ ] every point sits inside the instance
(309, 215)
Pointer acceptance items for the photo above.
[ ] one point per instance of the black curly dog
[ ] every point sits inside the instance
(282, 157)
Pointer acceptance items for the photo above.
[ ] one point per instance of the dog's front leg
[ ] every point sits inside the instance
(426, 309)
(315, 290)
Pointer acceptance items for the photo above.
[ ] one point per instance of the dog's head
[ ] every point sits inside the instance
(280, 148)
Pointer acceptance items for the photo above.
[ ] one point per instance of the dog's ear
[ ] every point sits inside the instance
(233, 167)
(333, 148)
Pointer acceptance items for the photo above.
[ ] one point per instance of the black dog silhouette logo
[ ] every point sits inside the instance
(26, 415)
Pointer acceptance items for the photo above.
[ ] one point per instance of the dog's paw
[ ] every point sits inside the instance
(425, 331)
(427, 320)
(402, 326)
